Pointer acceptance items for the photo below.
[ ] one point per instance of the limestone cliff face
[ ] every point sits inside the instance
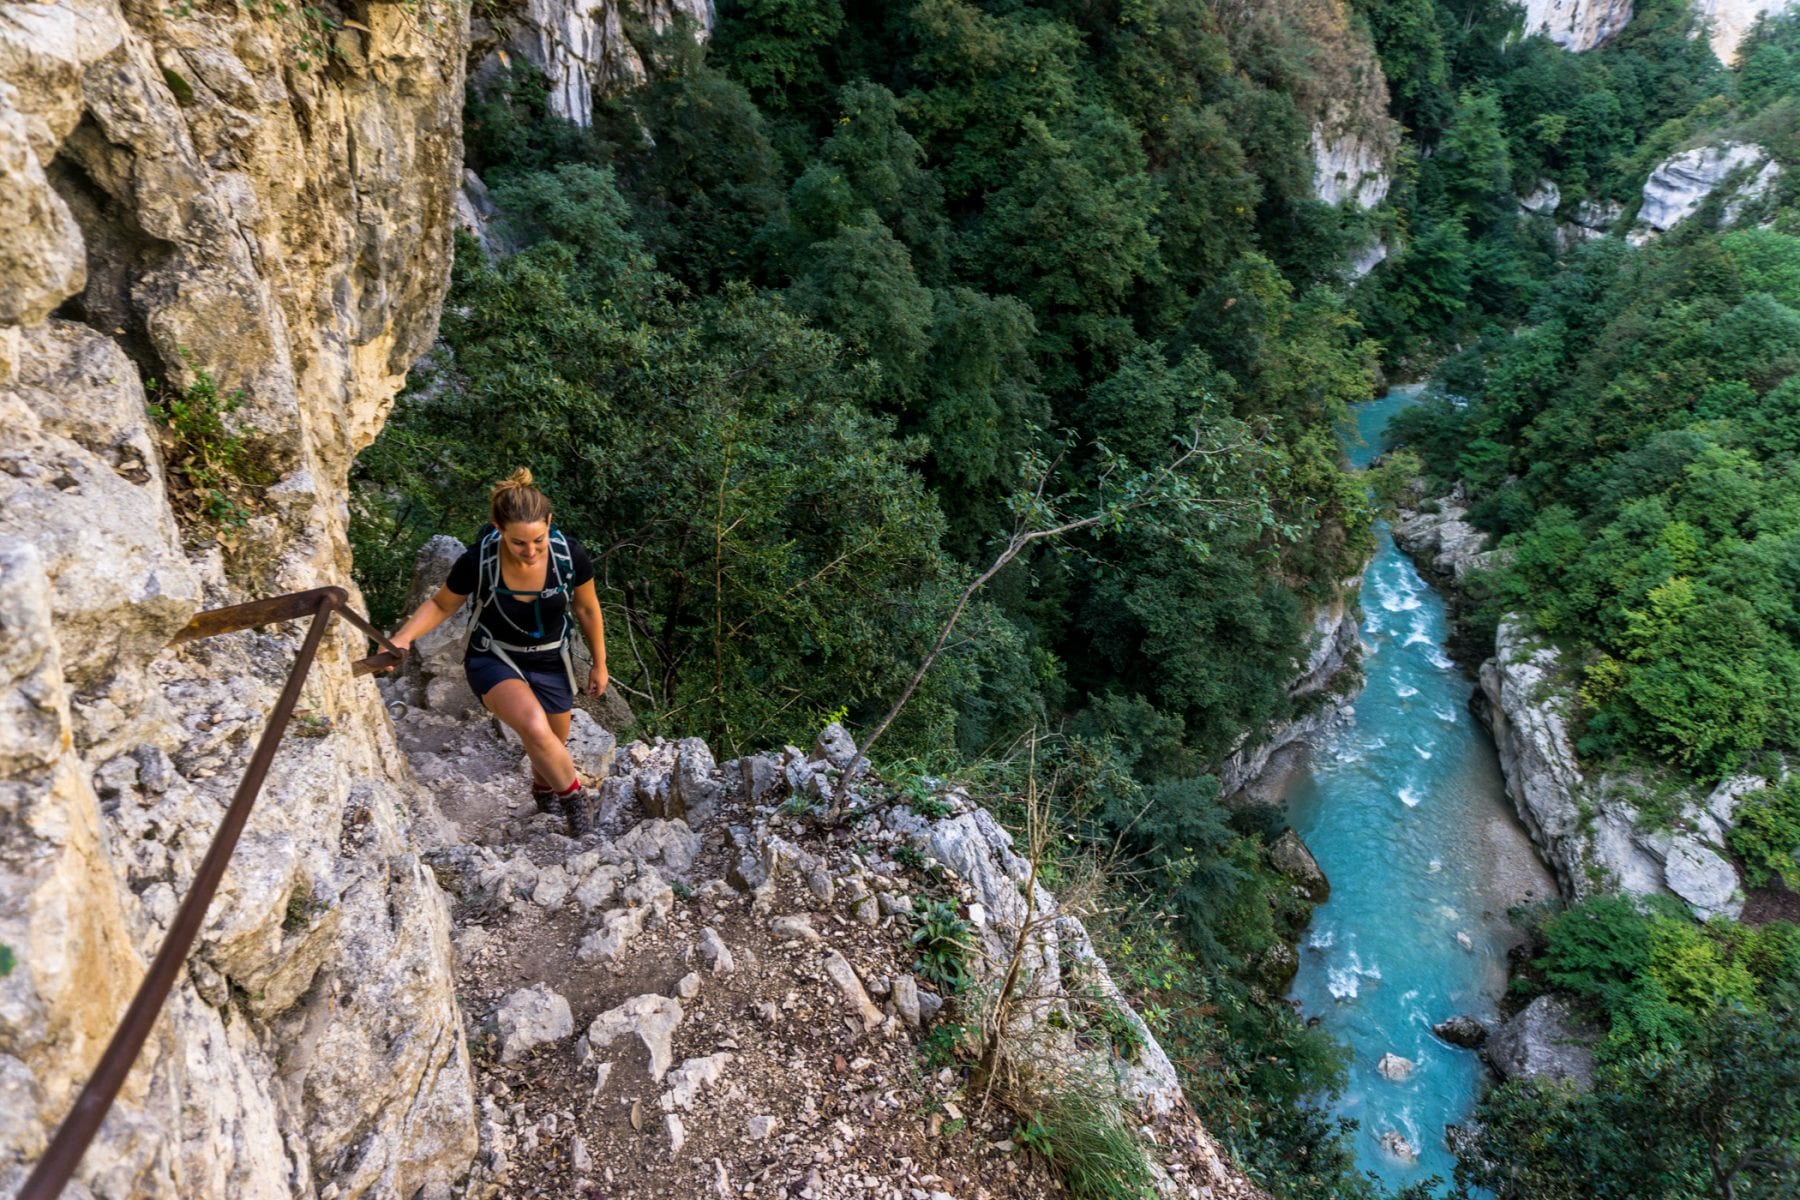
(1354, 140)
(269, 202)
(1729, 20)
(1681, 183)
(587, 49)
(1577, 24)
(1589, 830)
(1318, 689)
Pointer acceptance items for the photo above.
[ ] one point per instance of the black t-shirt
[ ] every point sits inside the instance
(523, 620)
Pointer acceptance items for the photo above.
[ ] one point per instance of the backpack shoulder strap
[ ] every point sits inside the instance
(487, 578)
(562, 560)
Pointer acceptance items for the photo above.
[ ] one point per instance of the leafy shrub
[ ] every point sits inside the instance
(1766, 835)
(944, 942)
(210, 464)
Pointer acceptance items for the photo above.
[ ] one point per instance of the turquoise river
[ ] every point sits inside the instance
(1404, 808)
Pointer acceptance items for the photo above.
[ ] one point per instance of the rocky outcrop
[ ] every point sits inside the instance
(768, 983)
(1465, 1031)
(1577, 24)
(1439, 537)
(1323, 687)
(1590, 220)
(193, 195)
(1342, 95)
(1590, 832)
(1351, 165)
(1542, 200)
(1545, 1040)
(1681, 183)
(1727, 21)
(588, 50)
(1289, 855)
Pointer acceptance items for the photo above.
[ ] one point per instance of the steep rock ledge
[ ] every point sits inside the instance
(1323, 688)
(213, 191)
(1589, 830)
(585, 50)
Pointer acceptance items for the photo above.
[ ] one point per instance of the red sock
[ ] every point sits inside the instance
(571, 789)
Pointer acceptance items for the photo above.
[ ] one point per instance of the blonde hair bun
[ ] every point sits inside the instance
(515, 501)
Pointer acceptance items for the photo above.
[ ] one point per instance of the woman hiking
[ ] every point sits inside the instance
(528, 579)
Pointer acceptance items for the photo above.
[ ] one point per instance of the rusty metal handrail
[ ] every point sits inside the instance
(78, 1127)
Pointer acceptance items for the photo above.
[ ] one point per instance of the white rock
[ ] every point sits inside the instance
(617, 928)
(839, 970)
(1707, 881)
(794, 928)
(530, 1017)
(1681, 182)
(686, 1081)
(1393, 1066)
(649, 1018)
(1577, 24)
(716, 953)
(760, 1128)
(1543, 200)
(552, 887)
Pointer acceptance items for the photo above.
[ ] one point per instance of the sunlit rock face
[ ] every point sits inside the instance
(1681, 183)
(1728, 21)
(191, 195)
(588, 49)
(1577, 24)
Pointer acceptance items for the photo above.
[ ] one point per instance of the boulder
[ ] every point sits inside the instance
(530, 1017)
(835, 746)
(1397, 1146)
(1544, 1041)
(1289, 855)
(1464, 1031)
(649, 1018)
(1703, 878)
(1394, 1067)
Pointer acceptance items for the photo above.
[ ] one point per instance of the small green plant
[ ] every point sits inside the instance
(1036, 1136)
(1767, 836)
(682, 891)
(1127, 1039)
(942, 937)
(1082, 1132)
(921, 799)
(209, 464)
(302, 907)
(942, 1047)
(911, 858)
(7, 960)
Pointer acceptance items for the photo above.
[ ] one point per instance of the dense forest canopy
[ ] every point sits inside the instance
(797, 333)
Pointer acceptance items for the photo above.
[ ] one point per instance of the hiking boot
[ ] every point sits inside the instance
(578, 812)
(546, 802)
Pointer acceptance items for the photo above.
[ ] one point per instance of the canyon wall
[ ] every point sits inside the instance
(237, 202)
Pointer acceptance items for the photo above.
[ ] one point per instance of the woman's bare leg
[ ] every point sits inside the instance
(514, 703)
(559, 725)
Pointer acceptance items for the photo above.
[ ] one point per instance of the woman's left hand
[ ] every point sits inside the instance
(597, 681)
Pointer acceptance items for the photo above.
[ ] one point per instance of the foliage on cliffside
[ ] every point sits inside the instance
(798, 330)
(1698, 1074)
(1499, 117)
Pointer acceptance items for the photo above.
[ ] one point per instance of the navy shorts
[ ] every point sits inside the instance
(550, 684)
